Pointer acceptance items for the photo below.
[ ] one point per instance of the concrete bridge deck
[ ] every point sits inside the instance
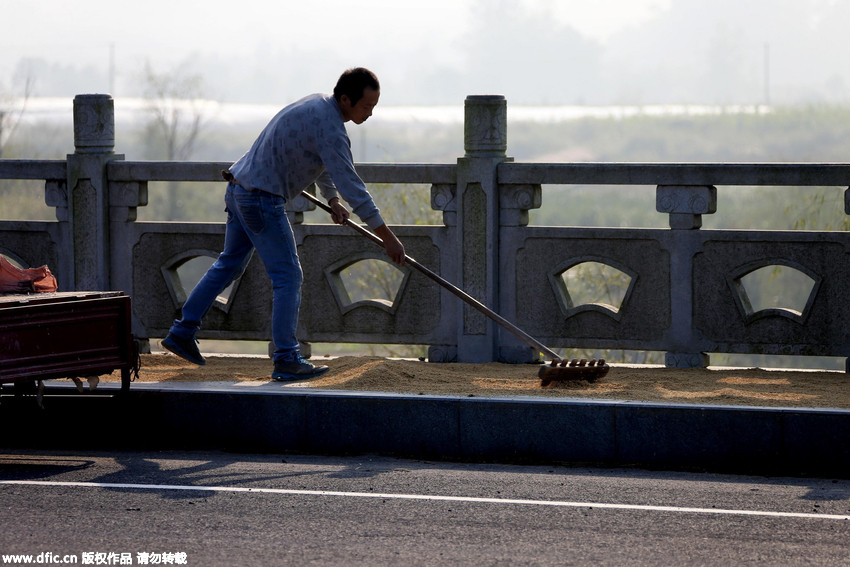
(268, 417)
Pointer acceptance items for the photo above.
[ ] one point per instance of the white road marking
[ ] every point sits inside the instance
(430, 497)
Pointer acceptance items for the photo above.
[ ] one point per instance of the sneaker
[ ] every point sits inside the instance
(184, 348)
(296, 369)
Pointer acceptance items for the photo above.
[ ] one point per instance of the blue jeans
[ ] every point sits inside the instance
(255, 220)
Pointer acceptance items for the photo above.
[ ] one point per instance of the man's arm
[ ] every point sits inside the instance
(392, 245)
(334, 149)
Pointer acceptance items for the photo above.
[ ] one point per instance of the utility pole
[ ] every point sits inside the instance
(767, 74)
(112, 69)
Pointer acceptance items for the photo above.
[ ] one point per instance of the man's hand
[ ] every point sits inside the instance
(393, 246)
(339, 213)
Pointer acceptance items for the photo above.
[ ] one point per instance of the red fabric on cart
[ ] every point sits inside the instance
(16, 280)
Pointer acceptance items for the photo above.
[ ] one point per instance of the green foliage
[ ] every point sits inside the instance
(820, 208)
(598, 205)
(399, 204)
(596, 283)
(184, 201)
(793, 134)
(372, 280)
(405, 204)
(777, 287)
(814, 133)
(24, 200)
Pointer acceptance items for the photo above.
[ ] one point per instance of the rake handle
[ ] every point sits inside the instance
(519, 333)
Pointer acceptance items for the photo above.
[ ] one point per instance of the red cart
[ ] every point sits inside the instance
(66, 335)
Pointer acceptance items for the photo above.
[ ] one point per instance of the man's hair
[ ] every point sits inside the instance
(353, 82)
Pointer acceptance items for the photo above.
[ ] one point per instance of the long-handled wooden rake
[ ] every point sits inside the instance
(559, 369)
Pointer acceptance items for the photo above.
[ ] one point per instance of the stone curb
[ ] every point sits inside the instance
(276, 418)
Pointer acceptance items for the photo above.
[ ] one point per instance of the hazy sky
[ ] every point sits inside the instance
(375, 33)
(438, 51)
(172, 29)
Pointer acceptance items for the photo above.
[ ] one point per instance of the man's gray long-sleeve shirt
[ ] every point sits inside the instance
(307, 143)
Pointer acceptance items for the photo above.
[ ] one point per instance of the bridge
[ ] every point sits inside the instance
(683, 290)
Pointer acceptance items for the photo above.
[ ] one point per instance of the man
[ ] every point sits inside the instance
(306, 142)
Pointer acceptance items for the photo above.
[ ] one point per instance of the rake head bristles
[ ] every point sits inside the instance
(572, 370)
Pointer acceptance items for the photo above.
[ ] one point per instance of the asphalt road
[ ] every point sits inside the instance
(228, 509)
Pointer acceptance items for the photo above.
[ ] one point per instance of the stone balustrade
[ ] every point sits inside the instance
(684, 289)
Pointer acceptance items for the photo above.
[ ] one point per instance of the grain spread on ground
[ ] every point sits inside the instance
(753, 387)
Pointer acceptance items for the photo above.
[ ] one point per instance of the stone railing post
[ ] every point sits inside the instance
(88, 192)
(485, 145)
(685, 204)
